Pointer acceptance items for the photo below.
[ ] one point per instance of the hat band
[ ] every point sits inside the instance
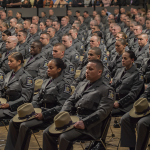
(65, 126)
(143, 112)
(37, 90)
(27, 116)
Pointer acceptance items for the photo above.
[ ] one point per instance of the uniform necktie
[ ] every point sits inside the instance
(49, 82)
(6, 54)
(124, 72)
(88, 85)
(13, 74)
(30, 58)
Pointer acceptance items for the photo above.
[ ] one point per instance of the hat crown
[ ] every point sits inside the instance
(38, 84)
(25, 110)
(141, 105)
(62, 119)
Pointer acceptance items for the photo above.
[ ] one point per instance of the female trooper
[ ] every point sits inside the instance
(18, 86)
(120, 35)
(50, 99)
(43, 26)
(5, 35)
(117, 60)
(128, 84)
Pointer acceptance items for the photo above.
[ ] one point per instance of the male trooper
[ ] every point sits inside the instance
(142, 22)
(59, 52)
(76, 43)
(147, 30)
(36, 64)
(23, 46)
(52, 16)
(9, 16)
(65, 25)
(70, 52)
(133, 43)
(33, 34)
(111, 42)
(26, 26)
(18, 27)
(13, 23)
(53, 39)
(93, 53)
(142, 50)
(11, 44)
(46, 46)
(58, 32)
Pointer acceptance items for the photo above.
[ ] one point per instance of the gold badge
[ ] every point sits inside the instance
(29, 81)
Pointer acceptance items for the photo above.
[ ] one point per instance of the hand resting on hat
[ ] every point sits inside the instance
(39, 116)
(116, 105)
(79, 125)
(4, 106)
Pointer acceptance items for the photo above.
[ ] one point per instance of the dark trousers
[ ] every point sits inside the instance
(128, 136)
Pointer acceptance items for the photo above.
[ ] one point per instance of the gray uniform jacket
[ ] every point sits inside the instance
(4, 61)
(82, 36)
(133, 44)
(115, 64)
(141, 54)
(87, 21)
(146, 93)
(8, 20)
(53, 17)
(98, 99)
(72, 55)
(145, 67)
(47, 51)
(3, 48)
(12, 30)
(43, 19)
(66, 29)
(78, 46)
(54, 40)
(32, 38)
(59, 34)
(111, 44)
(23, 49)
(52, 96)
(127, 86)
(71, 19)
(20, 21)
(104, 20)
(17, 89)
(2, 79)
(106, 76)
(36, 66)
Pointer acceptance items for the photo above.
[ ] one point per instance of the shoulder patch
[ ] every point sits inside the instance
(29, 81)
(76, 57)
(45, 64)
(105, 59)
(71, 69)
(1, 77)
(107, 75)
(111, 94)
(140, 77)
(67, 89)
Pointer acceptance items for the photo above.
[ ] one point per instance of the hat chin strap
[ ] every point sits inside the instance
(65, 126)
(27, 116)
(143, 112)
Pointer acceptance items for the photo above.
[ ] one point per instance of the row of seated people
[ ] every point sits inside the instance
(96, 93)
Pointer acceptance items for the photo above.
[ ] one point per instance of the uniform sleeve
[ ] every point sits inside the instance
(64, 92)
(26, 94)
(104, 108)
(136, 88)
(75, 59)
(42, 69)
(2, 79)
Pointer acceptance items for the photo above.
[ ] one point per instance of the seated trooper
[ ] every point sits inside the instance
(142, 22)
(143, 50)
(133, 42)
(92, 101)
(33, 34)
(46, 46)
(36, 64)
(120, 35)
(11, 43)
(147, 30)
(69, 71)
(55, 90)
(76, 43)
(128, 84)
(53, 38)
(138, 118)
(5, 35)
(18, 28)
(95, 41)
(111, 42)
(127, 23)
(94, 53)
(145, 67)
(17, 87)
(13, 23)
(70, 52)
(117, 60)
(3, 27)
(23, 46)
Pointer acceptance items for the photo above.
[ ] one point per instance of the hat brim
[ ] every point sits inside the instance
(134, 115)
(54, 131)
(3, 100)
(16, 119)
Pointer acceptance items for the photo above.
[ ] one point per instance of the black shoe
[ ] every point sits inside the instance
(93, 144)
(116, 125)
(99, 146)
